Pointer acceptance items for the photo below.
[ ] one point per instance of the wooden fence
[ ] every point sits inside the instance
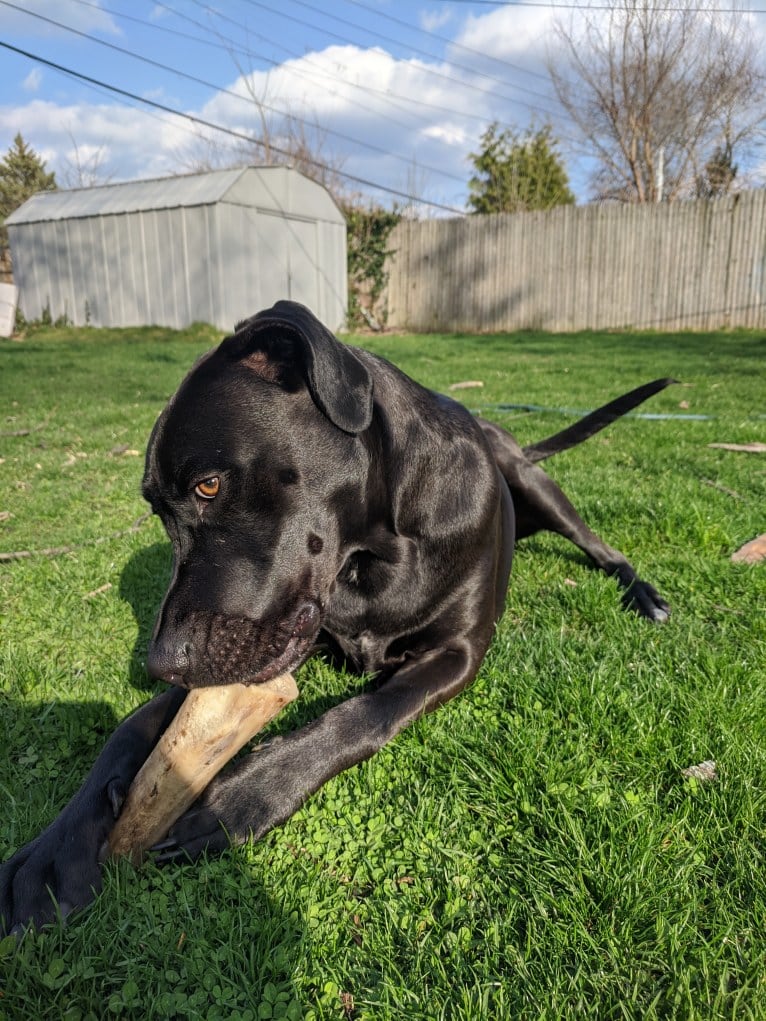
(681, 265)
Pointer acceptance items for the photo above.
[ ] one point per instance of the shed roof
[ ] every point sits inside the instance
(264, 187)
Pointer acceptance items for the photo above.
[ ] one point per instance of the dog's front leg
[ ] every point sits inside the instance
(267, 787)
(60, 870)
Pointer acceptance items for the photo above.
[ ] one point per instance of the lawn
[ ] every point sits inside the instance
(532, 850)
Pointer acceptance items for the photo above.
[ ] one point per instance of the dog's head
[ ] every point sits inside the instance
(245, 466)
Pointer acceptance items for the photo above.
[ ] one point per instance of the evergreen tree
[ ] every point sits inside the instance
(515, 172)
(22, 173)
(720, 171)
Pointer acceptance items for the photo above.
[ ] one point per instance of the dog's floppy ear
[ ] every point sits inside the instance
(273, 341)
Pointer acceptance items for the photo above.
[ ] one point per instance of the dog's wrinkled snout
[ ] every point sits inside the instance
(169, 662)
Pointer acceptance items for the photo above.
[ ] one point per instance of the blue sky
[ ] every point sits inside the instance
(399, 92)
(396, 92)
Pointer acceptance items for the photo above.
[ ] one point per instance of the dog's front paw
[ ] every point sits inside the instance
(198, 831)
(59, 871)
(646, 601)
(230, 811)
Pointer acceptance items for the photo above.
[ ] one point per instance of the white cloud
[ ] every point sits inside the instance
(32, 81)
(140, 144)
(431, 21)
(510, 32)
(449, 134)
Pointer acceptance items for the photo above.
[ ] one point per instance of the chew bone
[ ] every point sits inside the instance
(208, 730)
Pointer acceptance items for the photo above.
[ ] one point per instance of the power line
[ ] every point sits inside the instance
(394, 99)
(419, 50)
(151, 24)
(232, 47)
(442, 38)
(427, 70)
(228, 131)
(223, 90)
(406, 104)
(572, 5)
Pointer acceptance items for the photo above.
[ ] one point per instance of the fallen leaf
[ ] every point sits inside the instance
(684, 405)
(467, 384)
(752, 552)
(98, 591)
(570, 581)
(704, 771)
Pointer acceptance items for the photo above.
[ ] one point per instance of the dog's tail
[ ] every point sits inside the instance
(594, 422)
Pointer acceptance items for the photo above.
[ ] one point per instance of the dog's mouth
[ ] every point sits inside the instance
(298, 647)
(235, 650)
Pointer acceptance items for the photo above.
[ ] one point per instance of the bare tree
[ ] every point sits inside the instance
(279, 137)
(84, 168)
(210, 150)
(302, 144)
(287, 140)
(662, 97)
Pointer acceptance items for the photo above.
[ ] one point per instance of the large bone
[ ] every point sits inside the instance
(208, 730)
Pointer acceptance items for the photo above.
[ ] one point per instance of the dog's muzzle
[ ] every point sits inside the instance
(215, 649)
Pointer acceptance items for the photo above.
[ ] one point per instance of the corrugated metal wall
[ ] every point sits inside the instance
(672, 266)
(217, 262)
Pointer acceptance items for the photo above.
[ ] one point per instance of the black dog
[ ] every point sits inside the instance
(315, 497)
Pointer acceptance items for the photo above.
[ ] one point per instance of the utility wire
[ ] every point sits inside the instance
(404, 103)
(218, 88)
(392, 98)
(397, 42)
(228, 131)
(572, 5)
(444, 39)
(427, 70)
(230, 46)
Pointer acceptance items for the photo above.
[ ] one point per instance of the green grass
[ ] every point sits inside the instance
(531, 850)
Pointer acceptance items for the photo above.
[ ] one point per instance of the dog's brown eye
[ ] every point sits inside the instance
(208, 488)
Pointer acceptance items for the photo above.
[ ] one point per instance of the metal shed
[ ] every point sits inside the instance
(213, 247)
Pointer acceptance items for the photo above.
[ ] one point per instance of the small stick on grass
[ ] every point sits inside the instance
(57, 551)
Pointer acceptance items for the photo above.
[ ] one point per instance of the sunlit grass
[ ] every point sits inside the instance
(530, 851)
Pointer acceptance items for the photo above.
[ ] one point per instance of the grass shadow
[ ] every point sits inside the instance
(143, 582)
(48, 746)
(170, 919)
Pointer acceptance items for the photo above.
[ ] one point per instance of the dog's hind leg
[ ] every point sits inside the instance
(540, 505)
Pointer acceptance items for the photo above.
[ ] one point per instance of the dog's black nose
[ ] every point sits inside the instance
(169, 662)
